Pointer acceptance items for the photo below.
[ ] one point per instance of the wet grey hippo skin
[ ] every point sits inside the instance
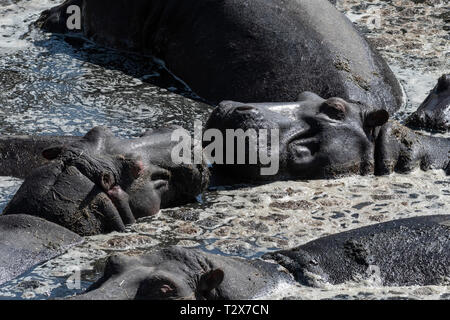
(179, 273)
(327, 139)
(224, 50)
(100, 183)
(434, 112)
(414, 251)
(26, 241)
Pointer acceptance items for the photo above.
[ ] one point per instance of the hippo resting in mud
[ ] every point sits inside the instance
(407, 252)
(100, 183)
(321, 138)
(242, 50)
(26, 241)
(434, 112)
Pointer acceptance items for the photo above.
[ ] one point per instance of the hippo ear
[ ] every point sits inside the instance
(52, 153)
(376, 118)
(443, 83)
(210, 280)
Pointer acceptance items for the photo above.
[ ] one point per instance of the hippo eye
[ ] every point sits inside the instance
(334, 109)
(155, 289)
(244, 109)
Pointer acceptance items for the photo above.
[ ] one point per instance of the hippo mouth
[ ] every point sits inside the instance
(304, 149)
(117, 194)
(303, 146)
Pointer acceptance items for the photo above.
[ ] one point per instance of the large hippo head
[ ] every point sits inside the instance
(179, 273)
(101, 183)
(318, 138)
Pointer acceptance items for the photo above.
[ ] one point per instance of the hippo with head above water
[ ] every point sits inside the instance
(100, 183)
(327, 138)
(243, 50)
(414, 251)
(434, 112)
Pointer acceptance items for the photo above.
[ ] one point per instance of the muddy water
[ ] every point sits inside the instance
(49, 85)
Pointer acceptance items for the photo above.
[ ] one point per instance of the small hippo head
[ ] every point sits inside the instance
(169, 274)
(434, 112)
(101, 183)
(318, 138)
(177, 273)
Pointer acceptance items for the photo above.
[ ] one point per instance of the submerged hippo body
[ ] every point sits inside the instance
(100, 183)
(244, 50)
(330, 138)
(434, 112)
(414, 251)
(26, 241)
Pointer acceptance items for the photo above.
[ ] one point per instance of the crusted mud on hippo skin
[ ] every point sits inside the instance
(100, 183)
(399, 149)
(434, 112)
(26, 241)
(405, 252)
(224, 51)
(328, 139)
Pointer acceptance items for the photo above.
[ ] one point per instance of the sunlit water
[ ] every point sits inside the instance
(52, 85)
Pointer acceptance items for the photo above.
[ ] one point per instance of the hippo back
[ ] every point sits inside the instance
(26, 241)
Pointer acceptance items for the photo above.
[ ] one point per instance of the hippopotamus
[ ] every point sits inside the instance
(434, 112)
(242, 50)
(26, 241)
(324, 139)
(100, 183)
(407, 252)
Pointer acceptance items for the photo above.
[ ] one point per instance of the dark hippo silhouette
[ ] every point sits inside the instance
(26, 241)
(414, 251)
(434, 112)
(327, 139)
(243, 50)
(100, 183)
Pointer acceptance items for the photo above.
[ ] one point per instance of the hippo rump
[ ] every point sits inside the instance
(26, 241)
(414, 251)
(100, 183)
(322, 138)
(243, 50)
(434, 112)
